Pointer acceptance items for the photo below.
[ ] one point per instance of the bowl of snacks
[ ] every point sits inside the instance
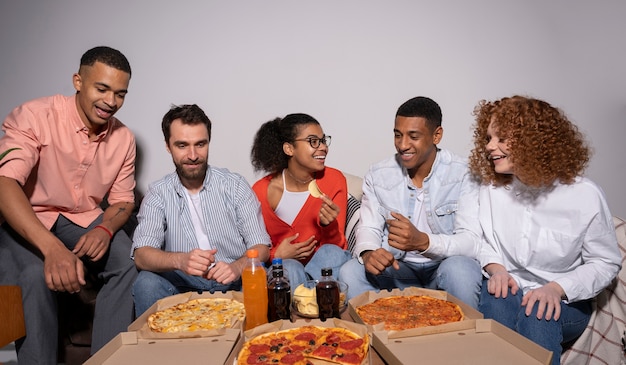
(304, 299)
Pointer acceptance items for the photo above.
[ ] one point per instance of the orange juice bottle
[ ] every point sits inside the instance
(254, 285)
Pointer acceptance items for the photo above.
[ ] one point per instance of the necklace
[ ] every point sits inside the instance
(298, 180)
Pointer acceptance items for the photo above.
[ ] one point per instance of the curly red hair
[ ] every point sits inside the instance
(544, 145)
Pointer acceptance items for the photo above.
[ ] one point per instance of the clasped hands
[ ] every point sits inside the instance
(202, 263)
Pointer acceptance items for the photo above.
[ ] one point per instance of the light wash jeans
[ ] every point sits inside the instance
(149, 287)
(458, 275)
(328, 255)
(549, 334)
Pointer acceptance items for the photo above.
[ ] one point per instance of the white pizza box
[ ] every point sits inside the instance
(469, 342)
(140, 325)
(370, 296)
(129, 348)
(280, 325)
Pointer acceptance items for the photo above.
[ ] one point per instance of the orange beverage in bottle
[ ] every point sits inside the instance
(254, 286)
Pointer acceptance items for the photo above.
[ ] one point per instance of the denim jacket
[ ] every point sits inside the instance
(450, 200)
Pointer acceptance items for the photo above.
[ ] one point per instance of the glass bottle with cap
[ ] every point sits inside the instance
(278, 295)
(327, 293)
(277, 262)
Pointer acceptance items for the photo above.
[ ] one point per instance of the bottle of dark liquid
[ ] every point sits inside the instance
(279, 296)
(277, 263)
(327, 292)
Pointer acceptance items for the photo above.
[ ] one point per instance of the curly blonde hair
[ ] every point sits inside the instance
(544, 146)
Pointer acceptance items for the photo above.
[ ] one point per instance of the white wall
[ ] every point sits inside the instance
(350, 64)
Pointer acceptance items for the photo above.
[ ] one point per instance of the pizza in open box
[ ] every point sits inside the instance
(302, 345)
(411, 311)
(197, 315)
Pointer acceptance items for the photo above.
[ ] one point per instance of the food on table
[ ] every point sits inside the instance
(305, 300)
(301, 345)
(412, 311)
(196, 315)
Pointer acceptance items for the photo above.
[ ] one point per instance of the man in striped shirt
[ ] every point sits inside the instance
(195, 224)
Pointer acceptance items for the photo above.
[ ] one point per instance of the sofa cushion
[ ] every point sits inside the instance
(353, 216)
(355, 185)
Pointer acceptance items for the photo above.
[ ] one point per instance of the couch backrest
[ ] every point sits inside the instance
(355, 185)
(355, 191)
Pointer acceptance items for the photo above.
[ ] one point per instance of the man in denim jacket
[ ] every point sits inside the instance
(419, 214)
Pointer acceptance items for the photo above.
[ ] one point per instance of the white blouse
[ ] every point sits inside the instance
(564, 234)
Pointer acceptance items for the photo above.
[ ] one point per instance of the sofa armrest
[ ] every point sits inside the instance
(11, 314)
(603, 339)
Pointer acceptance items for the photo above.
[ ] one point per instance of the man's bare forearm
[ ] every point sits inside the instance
(16, 209)
(116, 215)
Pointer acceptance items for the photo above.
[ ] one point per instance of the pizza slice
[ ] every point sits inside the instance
(341, 346)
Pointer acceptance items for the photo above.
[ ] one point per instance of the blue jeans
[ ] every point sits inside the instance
(328, 255)
(458, 275)
(549, 334)
(149, 287)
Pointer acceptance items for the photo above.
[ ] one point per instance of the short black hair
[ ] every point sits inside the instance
(188, 114)
(422, 107)
(108, 56)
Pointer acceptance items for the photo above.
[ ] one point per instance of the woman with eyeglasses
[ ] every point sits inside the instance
(307, 232)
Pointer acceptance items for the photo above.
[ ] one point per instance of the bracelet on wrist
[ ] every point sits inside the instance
(106, 230)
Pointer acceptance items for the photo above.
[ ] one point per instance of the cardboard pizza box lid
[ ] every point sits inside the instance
(476, 341)
(370, 296)
(140, 325)
(280, 325)
(129, 348)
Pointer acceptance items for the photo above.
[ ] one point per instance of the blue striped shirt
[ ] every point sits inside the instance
(231, 210)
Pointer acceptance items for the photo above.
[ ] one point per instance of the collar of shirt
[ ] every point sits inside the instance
(181, 190)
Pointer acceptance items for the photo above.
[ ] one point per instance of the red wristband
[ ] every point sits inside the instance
(106, 230)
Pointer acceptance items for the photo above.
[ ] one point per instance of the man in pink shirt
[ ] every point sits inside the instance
(72, 154)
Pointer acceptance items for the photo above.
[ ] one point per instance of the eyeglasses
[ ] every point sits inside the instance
(315, 142)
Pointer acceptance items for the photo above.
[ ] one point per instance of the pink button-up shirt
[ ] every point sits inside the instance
(59, 168)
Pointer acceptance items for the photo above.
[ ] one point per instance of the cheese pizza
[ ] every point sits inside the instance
(197, 315)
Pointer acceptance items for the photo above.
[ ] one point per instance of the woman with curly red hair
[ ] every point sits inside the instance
(549, 241)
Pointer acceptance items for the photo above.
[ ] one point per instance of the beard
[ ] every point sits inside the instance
(192, 175)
